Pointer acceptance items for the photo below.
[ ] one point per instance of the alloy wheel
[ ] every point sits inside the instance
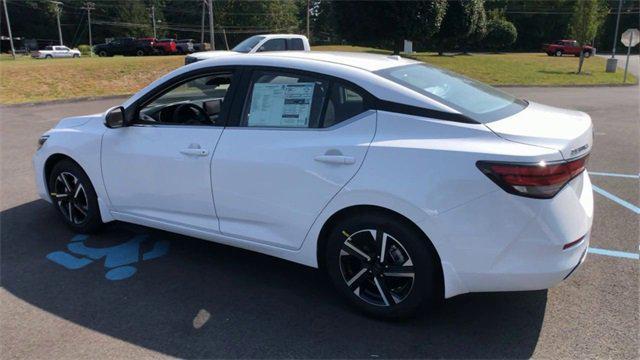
(71, 198)
(376, 267)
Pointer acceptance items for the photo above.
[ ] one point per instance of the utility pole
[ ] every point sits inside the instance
(58, 5)
(213, 40)
(89, 6)
(612, 62)
(153, 19)
(308, 12)
(6, 13)
(204, 3)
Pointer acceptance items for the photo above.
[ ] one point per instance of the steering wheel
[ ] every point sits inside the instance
(190, 114)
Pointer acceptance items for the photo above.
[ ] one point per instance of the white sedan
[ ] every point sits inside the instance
(406, 183)
(51, 52)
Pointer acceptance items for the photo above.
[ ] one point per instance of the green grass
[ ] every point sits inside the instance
(29, 80)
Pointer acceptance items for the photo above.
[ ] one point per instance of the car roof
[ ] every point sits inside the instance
(364, 61)
(283, 35)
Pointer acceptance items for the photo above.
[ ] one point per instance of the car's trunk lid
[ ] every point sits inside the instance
(567, 131)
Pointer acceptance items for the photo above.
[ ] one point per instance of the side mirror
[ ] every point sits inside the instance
(114, 118)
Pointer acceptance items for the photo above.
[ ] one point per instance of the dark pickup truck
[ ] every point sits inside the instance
(125, 46)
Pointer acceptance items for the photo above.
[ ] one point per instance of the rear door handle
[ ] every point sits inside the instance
(336, 159)
(194, 152)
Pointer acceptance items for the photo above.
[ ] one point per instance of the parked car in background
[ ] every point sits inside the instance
(568, 47)
(185, 46)
(60, 51)
(166, 47)
(405, 182)
(258, 43)
(125, 46)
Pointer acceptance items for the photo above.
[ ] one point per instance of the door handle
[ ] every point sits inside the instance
(194, 152)
(336, 159)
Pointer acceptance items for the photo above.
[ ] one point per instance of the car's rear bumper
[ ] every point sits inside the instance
(504, 242)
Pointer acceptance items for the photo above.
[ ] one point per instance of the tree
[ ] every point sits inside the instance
(387, 23)
(588, 16)
(500, 34)
(463, 19)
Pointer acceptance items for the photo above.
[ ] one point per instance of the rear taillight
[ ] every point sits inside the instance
(539, 180)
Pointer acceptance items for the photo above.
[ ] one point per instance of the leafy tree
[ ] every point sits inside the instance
(463, 19)
(501, 34)
(588, 16)
(387, 23)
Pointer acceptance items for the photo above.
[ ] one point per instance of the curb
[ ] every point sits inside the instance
(65, 101)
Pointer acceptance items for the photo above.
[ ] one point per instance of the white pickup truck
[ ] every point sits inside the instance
(257, 43)
(51, 52)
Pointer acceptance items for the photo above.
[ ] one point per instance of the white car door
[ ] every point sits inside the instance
(158, 169)
(296, 141)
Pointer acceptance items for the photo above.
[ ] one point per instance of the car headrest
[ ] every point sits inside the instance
(212, 107)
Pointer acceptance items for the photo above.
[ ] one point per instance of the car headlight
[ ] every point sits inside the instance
(42, 140)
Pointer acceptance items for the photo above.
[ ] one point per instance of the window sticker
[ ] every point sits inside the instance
(282, 105)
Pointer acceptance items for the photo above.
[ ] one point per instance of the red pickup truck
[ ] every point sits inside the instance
(570, 47)
(162, 46)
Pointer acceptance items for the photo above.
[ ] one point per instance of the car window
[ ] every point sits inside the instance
(479, 101)
(274, 45)
(199, 101)
(284, 100)
(343, 104)
(295, 44)
(247, 44)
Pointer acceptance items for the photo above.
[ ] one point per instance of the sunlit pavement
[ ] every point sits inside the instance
(135, 292)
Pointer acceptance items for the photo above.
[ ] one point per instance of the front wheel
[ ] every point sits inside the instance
(587, 54)
(102, 53)
(140, 53)
(74, 197)
(558, 53)
(382, 266)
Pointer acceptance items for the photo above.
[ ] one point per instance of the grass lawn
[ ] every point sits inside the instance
(29, 80)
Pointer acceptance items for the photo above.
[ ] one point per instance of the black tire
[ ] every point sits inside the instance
(587, 54)
(558, 53)
(75, 56)
(407, 278)
(140, 52)
(48, 57)
(67, 179)
(102, 53)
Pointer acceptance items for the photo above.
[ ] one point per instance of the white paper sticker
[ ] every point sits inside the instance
(282, 105)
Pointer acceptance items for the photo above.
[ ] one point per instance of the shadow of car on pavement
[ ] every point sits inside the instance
(257, 306)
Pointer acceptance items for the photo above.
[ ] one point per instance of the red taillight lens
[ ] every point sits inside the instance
(533, 180)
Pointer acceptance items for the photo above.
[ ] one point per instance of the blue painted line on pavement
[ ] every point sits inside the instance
(628, 176)
(616, 199)
(614, 253)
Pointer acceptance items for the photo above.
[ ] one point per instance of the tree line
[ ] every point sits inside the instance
(434, 25)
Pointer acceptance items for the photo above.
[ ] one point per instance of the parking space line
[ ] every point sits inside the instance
(614, 253)
(628, 176)
(616, 199)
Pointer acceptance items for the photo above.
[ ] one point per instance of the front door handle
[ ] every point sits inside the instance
(194, 152)
(336, 159)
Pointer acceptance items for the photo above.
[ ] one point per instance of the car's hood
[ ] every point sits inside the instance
(567, 131)
(212, 54)
(76, 121)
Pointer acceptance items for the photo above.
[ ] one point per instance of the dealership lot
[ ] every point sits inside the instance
(139, 292)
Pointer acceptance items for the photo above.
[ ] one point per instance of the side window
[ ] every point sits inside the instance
(284, 100)
(198, 101)
(274, 45)
(344, 103)
(295, 44)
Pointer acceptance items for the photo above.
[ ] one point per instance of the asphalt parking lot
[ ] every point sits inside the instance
(183, 297)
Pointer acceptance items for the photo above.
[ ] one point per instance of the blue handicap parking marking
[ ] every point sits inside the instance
(627, 176)
(118, 259)
(616, 199)
(614, 253)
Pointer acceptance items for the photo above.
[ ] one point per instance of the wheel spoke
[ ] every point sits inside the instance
(386, 295)
(399, 271)
(66, 183)
(354, 251)
(69, 206)
(79, 208)
(357, 279)
(383, 247)
(77, 192)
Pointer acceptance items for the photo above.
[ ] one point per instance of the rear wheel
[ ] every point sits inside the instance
(558, 53)
(74, 197)
(48, 57)
(381, 265)
(587, 54)
(102, 53)
(140, 52)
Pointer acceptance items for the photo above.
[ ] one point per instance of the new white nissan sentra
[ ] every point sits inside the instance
(405, 182)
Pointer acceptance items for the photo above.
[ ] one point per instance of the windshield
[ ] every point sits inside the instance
(479, 101)
(248, 44)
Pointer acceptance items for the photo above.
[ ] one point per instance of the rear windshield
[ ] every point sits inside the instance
(478, 101)
(248, 44)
